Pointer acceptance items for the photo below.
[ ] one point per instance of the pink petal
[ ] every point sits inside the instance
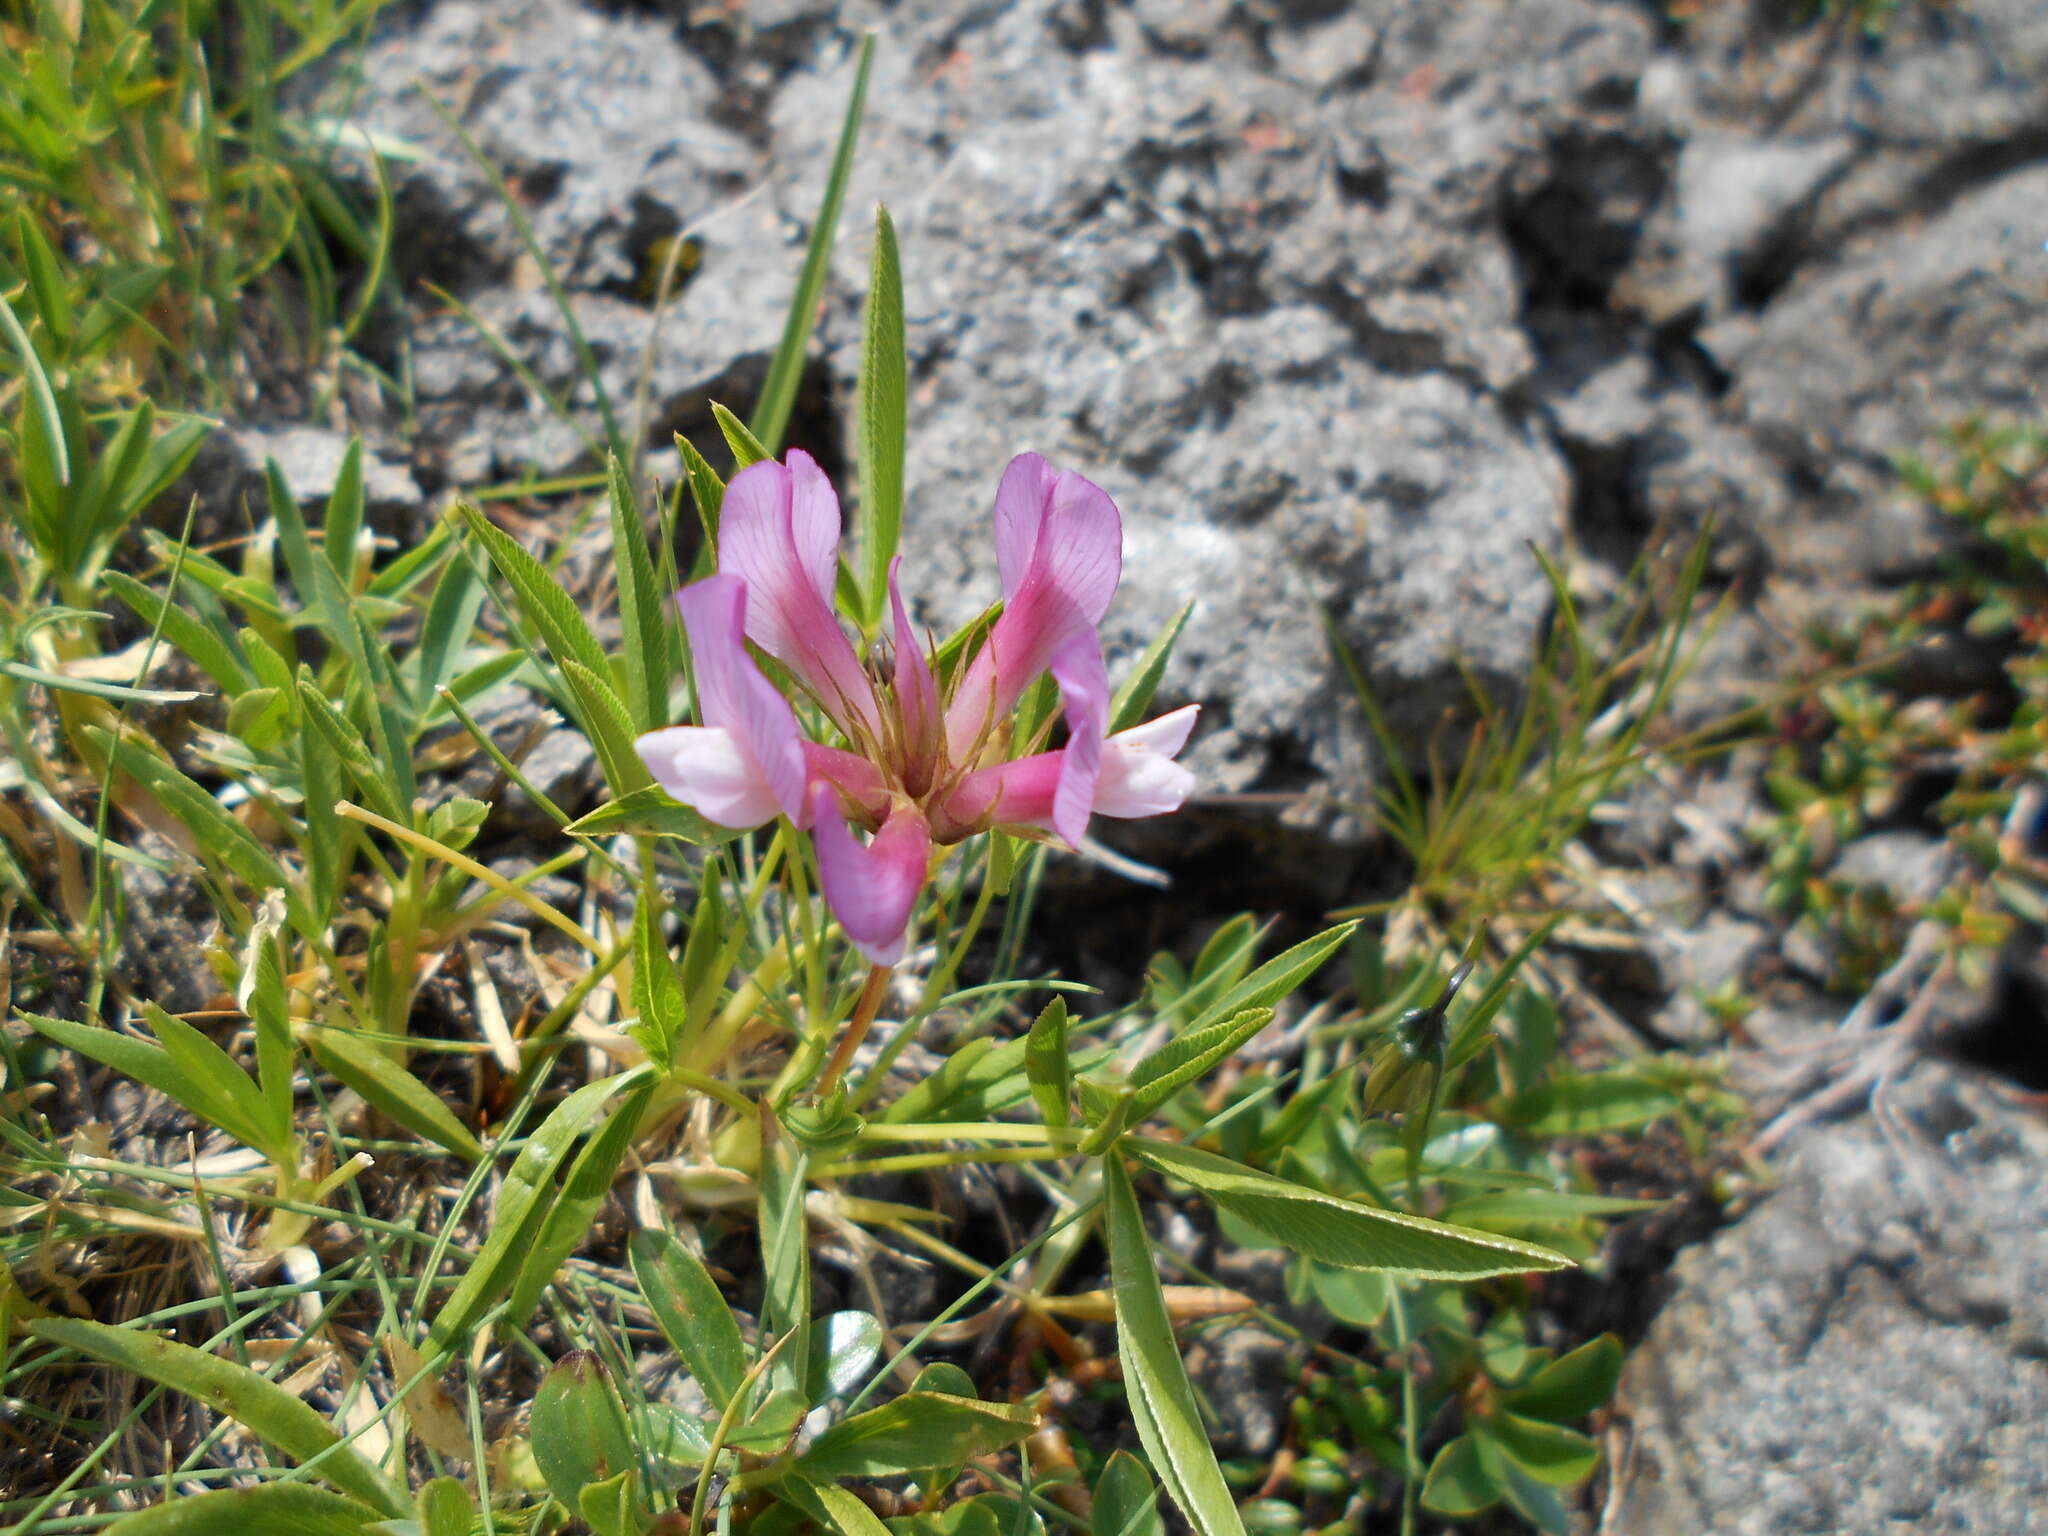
(917, 696)
(1139, 776)
(1021, 499)
(1059, 544)
(708, 770)
(779, 533)
(1013, 794)
(858, 781)
(871, 889)
(1084, 692)
(735, 698)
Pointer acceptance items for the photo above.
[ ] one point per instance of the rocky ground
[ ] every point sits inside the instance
(1347, 306)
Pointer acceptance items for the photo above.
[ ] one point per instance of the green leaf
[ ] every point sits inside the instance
(1356, 1296)
(542, 600)
(269, 1509)
(233, 1101)
(1535, 1501)
(785, 1251)
(880, 430)
(1156, 1381)
(747, 450)
(366, 1067)
(691, 1313)
(205, 646)
(42, 400)
(345, 743)
(1279, 977)
(657, 990)
(1588, 1104)
(610, 1508)
(262, 997)
(650, 811)
(1541, 1207)
(1459, 1482)
(609, 727)
(523, 1201)
(344, 519)
(45, 277)
(579, 1430)
(977, 1081)
(843, 1346)
(647, 655)
(568, 1223)
(223, 837)
(445, 631)
(1550, 1453)
(707, 491)
(171, 1074)
(445, 1508)
(269, 1412)
(785, 370)
(1342, 1232)
(1125, 1504)
(916, 1430)
(1190, 1056)
(1135, 697)
(1572, 1385)
(770, 1428)
(833, 1508)
(1046, 1065)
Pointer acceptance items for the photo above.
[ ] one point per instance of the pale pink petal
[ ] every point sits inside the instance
(917, 696)
(733, 695)
(1084, 692)
(1022, 497)
(779, 532)
(871, 889)
(708, 770)
(1139, 775)
(1059, 544)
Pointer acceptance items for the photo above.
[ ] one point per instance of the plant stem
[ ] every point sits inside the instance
(857, 1027)
(1410, 1414)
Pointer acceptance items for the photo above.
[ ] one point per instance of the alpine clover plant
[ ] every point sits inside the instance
(922, 768)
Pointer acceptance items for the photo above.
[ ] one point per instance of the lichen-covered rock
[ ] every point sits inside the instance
(1869, 1350)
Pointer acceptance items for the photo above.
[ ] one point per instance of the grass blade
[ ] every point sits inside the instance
(41, 397)
(1162, 1398)
(778, 391)
(880, 424)
(270, 1509)
(259, 1405)
(1346, 1233)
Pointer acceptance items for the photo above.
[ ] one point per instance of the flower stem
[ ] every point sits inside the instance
(857, 1027)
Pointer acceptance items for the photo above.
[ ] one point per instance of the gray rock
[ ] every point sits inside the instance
(605, 129)
(1735, 200)
(1910, 867)
(1248, 1375)
(1878, 354)
(1279, 327)
(1700, 960)
(309, 458)
(1866, 1351)
(1939, 103)
(599, 123)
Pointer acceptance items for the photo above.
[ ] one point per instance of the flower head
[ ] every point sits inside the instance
(914, 767)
